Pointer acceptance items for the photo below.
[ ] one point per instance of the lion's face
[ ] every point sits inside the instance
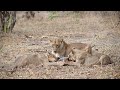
(56, 44)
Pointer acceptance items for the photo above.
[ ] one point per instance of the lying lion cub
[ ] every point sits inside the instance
(22, 61)
(61, 49)
(87, 59)
(55, 62)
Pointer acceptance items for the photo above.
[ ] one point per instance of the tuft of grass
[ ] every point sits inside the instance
(52, 15)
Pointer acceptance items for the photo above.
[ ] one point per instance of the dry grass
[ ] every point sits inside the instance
(90, 27)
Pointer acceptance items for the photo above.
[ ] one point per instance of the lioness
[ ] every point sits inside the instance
(87, 59)
(61, 49)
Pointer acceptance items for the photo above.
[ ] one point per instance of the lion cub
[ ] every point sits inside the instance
(87, 59)
(22, 61)
(61, 49)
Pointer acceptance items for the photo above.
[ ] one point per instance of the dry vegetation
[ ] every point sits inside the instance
(32, 37)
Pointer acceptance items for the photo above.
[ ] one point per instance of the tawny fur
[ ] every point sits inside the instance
(87, 59)
(78, 53)
(22, 61)
(62, 49)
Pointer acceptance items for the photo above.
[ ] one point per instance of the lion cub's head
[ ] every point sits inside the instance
(57, 44)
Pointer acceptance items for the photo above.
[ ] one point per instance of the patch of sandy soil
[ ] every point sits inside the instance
(32, 37)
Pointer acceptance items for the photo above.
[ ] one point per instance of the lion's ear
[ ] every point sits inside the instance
(61, 39)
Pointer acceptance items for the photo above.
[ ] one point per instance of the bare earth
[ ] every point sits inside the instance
(32, 37)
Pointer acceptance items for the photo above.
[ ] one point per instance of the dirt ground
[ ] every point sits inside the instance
(32, 37)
